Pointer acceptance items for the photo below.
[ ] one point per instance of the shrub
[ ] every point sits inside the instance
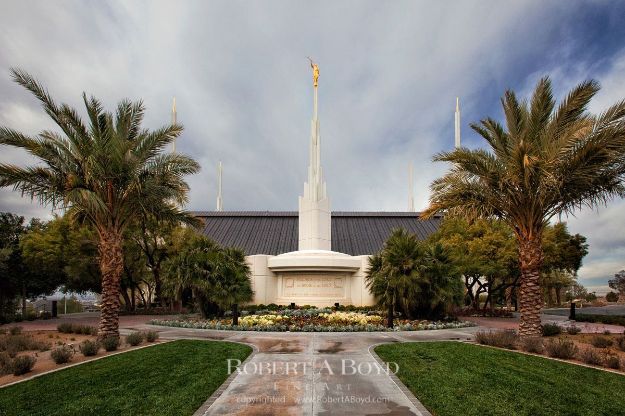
(502, 339)
(601, 342)
(15, 330)
(591, 356)
(573, 330)
(612, 361)
(62, 354)
(533, 344)
(607, 332)
(620, 343)
(561, 348)
(550, 330)
(110, 343)
(151, 336)
(89, 348)
(31, 316)
(87, 330)
(23, 364)
(134, 339)
(64, 328)
(46, 315)
(13, 344)
(68, 328)
(18, 318)
(5, 363)
(612, 297)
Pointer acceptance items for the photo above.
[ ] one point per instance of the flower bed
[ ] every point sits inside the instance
(311, 320)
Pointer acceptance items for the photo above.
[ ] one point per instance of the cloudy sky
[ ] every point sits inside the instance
(390, 72)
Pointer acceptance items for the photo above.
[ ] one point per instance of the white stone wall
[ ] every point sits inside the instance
(269, 287)
(263, 279)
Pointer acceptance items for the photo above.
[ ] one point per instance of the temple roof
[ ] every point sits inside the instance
(276, 232)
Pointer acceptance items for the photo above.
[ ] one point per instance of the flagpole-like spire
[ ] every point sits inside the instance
(220, 203)
(457, 123)
(173, 121)
(411, 188)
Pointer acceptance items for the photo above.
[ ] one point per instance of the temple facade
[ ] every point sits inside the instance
(313, 256)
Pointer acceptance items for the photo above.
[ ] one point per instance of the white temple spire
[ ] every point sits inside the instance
(411, 188)
(315, 188)
(457, 123)
(314, 205)
(173, 121)
(220, 202)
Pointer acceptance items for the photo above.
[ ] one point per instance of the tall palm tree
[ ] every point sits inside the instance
(547, 161)
(106, 173)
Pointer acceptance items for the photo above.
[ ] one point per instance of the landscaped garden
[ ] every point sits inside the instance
(310, 319)
(452, 378)
(174, 378)
(27, 353)
(602, 350)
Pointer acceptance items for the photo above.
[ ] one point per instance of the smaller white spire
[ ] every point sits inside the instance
(457, 123)
(220, 202)
(173, 121)
(411, 188)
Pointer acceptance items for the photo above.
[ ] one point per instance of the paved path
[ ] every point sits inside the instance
(85, 318)
(616, 309)
(314, 373)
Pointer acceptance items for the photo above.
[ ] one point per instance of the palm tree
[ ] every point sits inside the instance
(106, 173)
(218, 277)
(231, 284)
(546, 162)
(414, 277)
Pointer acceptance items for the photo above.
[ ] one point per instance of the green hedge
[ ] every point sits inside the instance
(603, 319)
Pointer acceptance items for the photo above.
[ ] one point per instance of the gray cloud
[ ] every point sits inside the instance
(390, 73)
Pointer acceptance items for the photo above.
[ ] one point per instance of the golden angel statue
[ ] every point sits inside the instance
(315, 69)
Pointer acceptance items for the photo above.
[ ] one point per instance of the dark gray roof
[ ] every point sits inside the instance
(276, 232)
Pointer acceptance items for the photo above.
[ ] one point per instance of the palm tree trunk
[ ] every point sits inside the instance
(389, 316)
(531, 296)
(235, 314)
(111, 267)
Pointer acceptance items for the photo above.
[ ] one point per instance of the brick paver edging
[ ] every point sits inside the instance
(411, 397)
(203, 410)
(84, 362)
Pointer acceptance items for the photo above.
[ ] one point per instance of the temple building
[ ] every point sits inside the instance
(313, 256)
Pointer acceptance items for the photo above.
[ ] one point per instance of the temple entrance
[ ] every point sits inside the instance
(319, 289)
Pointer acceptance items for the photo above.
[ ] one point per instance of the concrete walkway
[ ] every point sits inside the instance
(313, 373)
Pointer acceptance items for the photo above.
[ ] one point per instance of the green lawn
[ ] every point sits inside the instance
(452, 378)
(169, 379)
